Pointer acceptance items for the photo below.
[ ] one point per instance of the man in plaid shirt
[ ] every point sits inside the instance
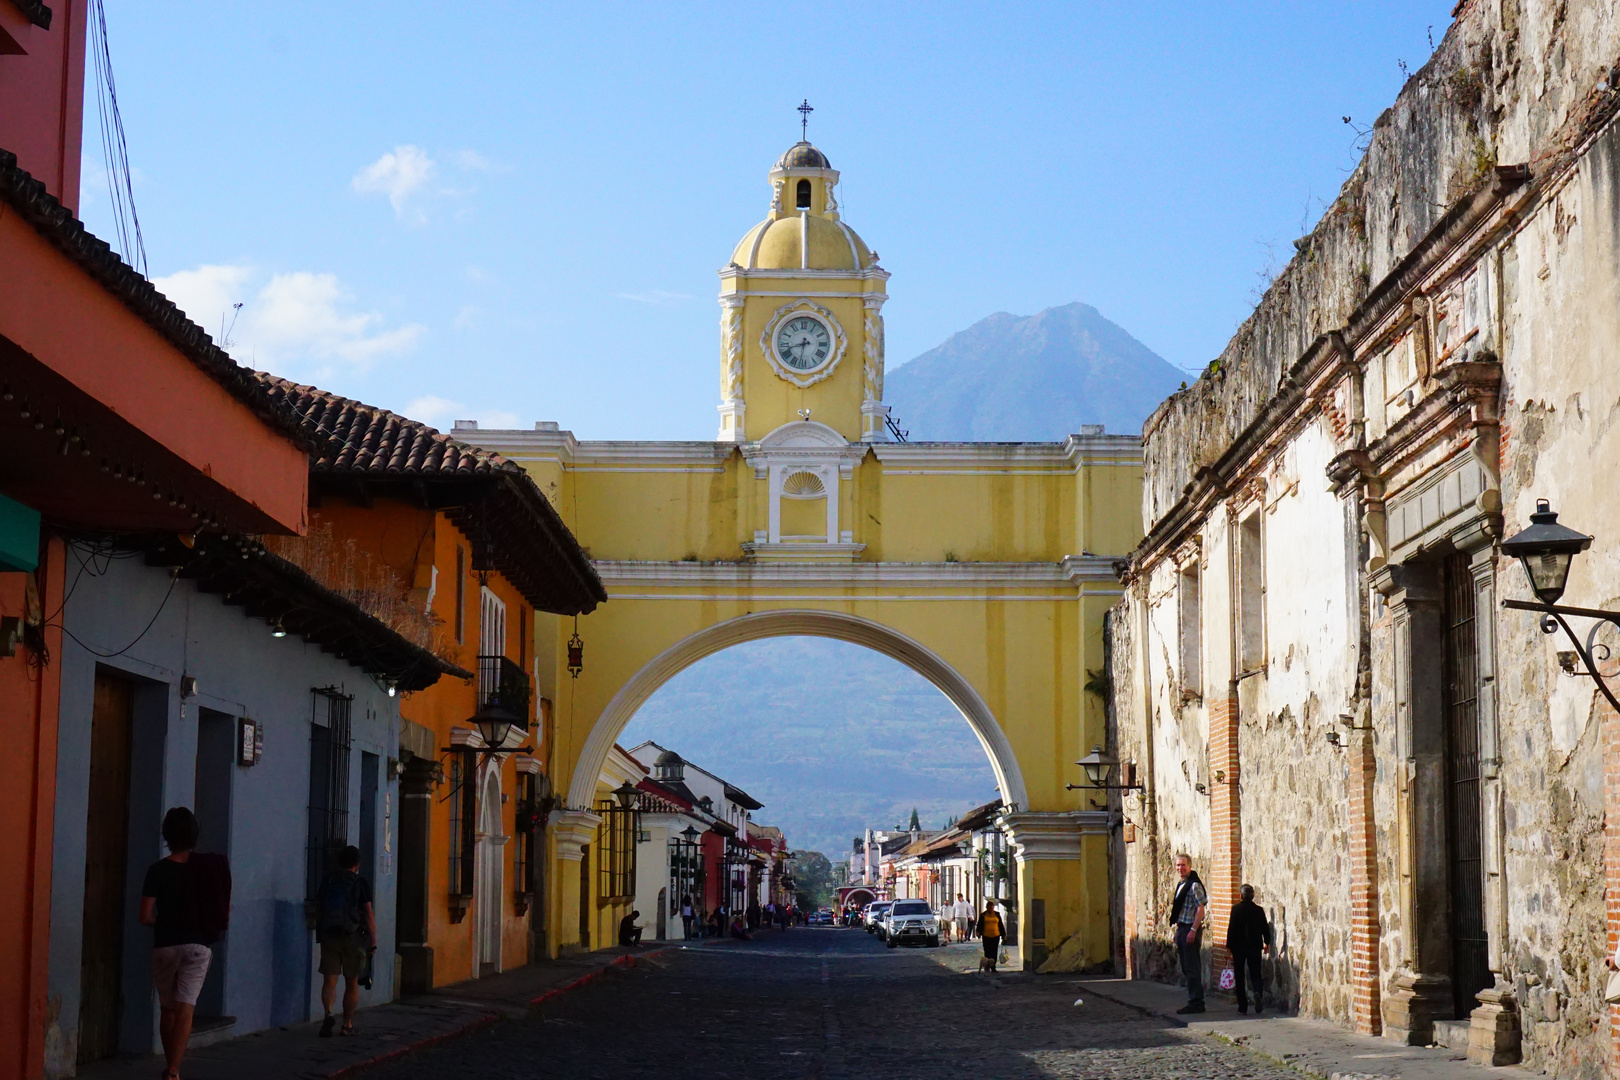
(1187, 913)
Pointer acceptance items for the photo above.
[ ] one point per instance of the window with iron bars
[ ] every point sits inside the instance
(616, 847)
(685, 870)
(463, 818)
(328, 785)
(527, 827)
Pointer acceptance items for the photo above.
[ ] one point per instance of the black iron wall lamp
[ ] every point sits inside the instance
(1545, 550)
(1099, 768)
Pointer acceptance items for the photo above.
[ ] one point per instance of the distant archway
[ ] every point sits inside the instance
(789, 623)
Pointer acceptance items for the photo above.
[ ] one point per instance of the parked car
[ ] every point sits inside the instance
(910, 922)
(874, 915)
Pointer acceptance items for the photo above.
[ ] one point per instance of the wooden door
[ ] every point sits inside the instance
(106, 853)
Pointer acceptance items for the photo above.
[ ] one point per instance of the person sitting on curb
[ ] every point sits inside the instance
(629, 932)
(738, 930)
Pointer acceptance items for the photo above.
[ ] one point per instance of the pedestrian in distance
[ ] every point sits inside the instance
(629, 932)
(346, 928)
(1187, 915)
(1248, 933)
(738, 930)
(688, 917)
(962, 915)
(990, 930)
(186, 900)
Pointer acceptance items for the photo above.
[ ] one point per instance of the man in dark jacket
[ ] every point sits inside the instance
(1187, 916)
(1247, 933)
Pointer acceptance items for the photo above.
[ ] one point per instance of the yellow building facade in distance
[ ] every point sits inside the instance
(985, 567)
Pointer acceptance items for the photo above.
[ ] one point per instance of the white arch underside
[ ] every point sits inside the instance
(796, 623)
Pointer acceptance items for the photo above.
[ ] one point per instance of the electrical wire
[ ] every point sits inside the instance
(153, 622)
(114, 148)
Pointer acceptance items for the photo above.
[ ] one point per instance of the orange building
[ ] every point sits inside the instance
(470, 540)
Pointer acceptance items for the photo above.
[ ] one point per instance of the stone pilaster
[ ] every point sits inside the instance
(1362, 770)
(415, 830)
(1062, 887)
(1225, 823)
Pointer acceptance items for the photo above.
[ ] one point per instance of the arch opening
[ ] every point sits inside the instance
(852, 629)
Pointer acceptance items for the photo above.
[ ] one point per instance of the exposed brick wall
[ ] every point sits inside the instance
(1611, 857)
(1362, 764)
(1225, 823)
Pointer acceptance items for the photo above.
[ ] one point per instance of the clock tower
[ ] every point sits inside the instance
(801, 323)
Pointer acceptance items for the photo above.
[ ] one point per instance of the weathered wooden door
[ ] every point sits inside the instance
(585, 896)
(1470, 944)
(106, 853)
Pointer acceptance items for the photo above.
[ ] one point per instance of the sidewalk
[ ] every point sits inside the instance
(1315, 1047)
(385, 1031)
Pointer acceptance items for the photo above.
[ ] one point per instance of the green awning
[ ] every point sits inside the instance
(19, 536)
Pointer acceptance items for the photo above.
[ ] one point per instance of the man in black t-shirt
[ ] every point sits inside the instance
(347, 931)
(185, 899)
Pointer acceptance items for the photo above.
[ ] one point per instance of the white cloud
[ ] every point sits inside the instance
(654, 296)
(468, 317)
(399, 174)
(302, 325)
(442, 413)
(473, 161)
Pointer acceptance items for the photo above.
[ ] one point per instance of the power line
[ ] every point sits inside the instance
(114, 149)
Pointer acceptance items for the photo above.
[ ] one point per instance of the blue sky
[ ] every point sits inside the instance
(515, 212)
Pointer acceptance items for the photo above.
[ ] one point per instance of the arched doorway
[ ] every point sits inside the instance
(489, 875)
(807, 623)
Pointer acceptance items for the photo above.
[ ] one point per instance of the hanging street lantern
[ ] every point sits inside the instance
(1546, 549)
(1099, 768)
(576, 652)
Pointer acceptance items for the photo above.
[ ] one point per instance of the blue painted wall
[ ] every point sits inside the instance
(241, 671)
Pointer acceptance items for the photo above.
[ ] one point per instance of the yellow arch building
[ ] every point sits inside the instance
(986, 567)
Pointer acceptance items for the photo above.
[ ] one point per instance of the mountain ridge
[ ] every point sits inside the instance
(1030, 378)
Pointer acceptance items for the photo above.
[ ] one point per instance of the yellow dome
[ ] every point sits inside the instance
(779, 244)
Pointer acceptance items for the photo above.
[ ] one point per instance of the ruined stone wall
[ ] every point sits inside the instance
(1561, 401)
(1513, 81)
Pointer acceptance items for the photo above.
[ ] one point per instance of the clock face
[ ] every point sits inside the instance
(803, 343)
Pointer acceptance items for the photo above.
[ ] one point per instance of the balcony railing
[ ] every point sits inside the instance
(503, 684)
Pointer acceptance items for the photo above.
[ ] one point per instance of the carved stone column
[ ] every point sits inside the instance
(731, 371)
(1421, 991)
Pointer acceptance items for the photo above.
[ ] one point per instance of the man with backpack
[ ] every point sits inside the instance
(186, 900)
(346, 928)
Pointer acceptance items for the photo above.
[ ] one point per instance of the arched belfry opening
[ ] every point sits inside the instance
(803, 202)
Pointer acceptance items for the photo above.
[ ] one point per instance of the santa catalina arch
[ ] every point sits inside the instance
(985, 567)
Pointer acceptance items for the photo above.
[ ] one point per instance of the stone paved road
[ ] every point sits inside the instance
(825, 1003)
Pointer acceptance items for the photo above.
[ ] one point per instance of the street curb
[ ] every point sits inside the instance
(628, 960)
(1287, 1063)
(421, 1044)
(1134, 1007)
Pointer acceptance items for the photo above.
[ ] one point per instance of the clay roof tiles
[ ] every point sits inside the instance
(355, 441)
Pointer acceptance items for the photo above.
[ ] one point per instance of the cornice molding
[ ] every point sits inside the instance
(1075, 570)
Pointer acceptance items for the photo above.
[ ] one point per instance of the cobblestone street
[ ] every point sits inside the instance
(828, 1003)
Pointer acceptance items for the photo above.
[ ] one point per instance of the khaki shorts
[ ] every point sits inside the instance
(343, 956)
(178, 972)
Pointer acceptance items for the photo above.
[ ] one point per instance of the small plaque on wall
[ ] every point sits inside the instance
(249, 741)
(1130, 833)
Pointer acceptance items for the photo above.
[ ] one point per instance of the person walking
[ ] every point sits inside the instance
(688, 916)
(1248, 932)
(186, 900)
(1187, 915)
(346, 928)
(962, 916)
(990, 930)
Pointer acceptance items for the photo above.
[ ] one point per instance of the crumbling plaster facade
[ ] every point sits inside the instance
(1311, 669)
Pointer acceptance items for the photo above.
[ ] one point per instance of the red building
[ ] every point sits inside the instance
(114, 411)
